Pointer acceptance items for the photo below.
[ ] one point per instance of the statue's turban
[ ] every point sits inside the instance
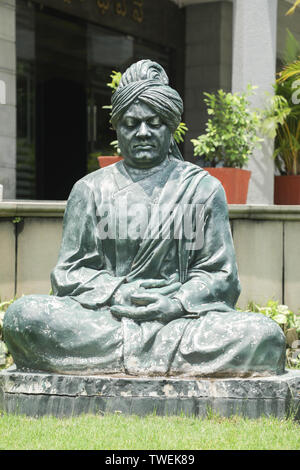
(147, 81)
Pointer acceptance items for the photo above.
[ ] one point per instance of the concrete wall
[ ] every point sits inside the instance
(266, 240)
(7, 259)
(268, 254)
(8, 104)
(30, 237)
(38, 244)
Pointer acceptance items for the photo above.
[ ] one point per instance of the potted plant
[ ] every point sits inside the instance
(230, 137)
(109, 160)
(287, 141)
(232, 133)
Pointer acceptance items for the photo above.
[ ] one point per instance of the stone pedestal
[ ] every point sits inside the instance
(38, 394)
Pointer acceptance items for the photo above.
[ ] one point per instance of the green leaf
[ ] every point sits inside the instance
(280, 318)
(180, 132)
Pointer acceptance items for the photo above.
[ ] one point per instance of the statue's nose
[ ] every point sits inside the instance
(143, 130)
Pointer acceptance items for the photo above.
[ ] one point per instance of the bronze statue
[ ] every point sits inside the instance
(146, 281)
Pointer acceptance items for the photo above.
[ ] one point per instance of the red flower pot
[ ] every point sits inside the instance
(105, 161)
(235, 182)
(287, 189)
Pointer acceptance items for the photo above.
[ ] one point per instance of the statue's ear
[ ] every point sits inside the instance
(174, 150)
(172, 141)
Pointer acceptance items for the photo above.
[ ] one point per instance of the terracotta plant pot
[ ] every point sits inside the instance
(235, 182)
(287, 189)
(105, 161)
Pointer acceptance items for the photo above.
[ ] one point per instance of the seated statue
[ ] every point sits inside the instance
(146, 281)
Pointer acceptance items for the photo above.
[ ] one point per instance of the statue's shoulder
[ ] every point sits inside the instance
(207, 184)
(94, 179)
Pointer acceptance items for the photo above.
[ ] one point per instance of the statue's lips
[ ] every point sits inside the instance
(143, 147)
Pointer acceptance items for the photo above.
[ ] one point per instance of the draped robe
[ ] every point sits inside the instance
(74, 331)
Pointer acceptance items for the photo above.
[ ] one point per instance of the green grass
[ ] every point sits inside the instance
(117, 432)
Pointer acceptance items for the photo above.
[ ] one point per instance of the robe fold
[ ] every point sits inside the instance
(104, 246)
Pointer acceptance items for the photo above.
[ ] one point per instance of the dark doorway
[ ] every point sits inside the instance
(61, 124)
(61, 128)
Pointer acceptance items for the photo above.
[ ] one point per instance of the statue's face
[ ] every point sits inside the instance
(143, 138)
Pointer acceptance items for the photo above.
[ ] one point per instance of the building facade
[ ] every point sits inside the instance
(56, 57)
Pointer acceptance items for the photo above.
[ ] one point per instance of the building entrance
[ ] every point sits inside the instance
(63, 67)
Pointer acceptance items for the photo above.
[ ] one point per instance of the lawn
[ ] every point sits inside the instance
(117, 432)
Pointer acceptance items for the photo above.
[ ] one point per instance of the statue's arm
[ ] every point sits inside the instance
(212, 281)
(80, 272)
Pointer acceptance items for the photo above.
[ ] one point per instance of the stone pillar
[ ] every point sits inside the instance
(254, 61)
(208, 61)
(8, 98)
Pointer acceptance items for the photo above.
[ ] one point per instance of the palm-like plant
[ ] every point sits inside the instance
(290, 71)
(291, 10)
(287, 142)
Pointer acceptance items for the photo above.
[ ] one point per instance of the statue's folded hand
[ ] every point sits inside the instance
(150, 306)
(123, 294)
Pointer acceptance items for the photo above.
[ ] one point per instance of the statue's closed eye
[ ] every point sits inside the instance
(131, 122)
(155, 121)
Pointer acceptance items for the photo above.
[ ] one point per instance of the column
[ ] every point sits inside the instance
(208, 61)
(7, 98)
(254, 61)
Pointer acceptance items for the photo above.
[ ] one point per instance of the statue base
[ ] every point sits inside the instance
(37, 394)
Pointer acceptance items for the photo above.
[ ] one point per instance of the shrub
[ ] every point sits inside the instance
(290, 324)
(231, 130)
(5, 358)
(233, 126)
